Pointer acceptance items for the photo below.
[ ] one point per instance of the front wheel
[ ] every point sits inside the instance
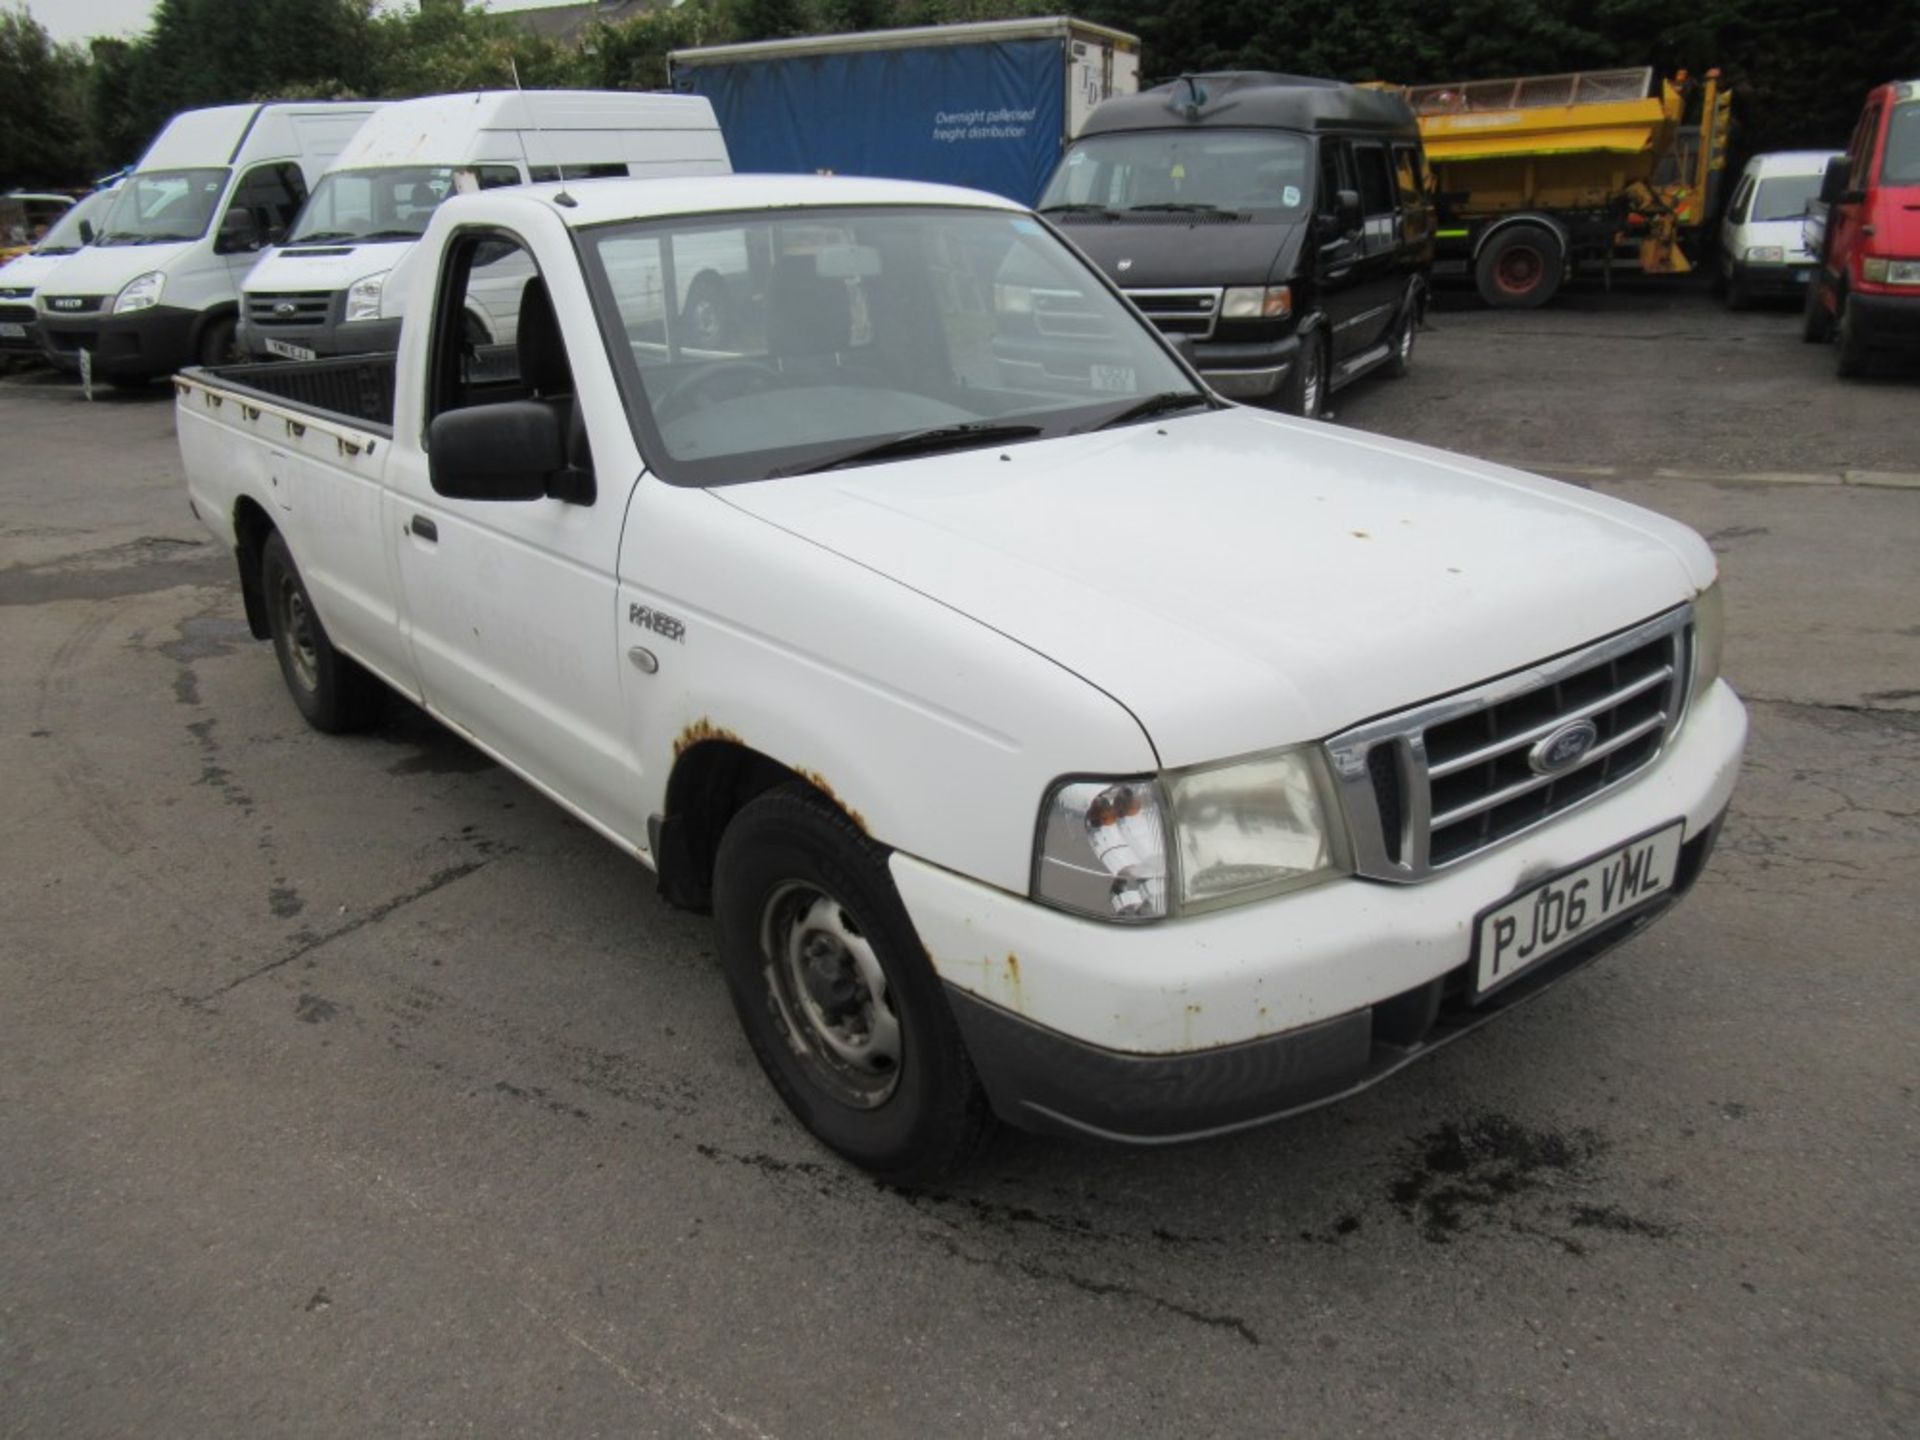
(220, 343)
(1305, 394)
(333, 693)
(1816, 321)
(1852, 347)
(838, 1000)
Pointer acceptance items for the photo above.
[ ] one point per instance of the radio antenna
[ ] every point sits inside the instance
(533, 114)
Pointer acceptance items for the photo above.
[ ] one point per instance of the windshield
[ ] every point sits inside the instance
(798, 340)
(64, 237)
(1263, 172)
(1784, 197)
(1902, 163)
(160, 205)
(390, 203)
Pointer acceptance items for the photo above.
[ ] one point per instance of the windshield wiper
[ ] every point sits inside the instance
(391, 235)
(1159, 404)
(321, 237)
(1077, 207)
(922, 442)
(1185, 207)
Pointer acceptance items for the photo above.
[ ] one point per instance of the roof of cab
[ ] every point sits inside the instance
(1260, 99)
(1791, 162)
(444, 129)
(604, 202)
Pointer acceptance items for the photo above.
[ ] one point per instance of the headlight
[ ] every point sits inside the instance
(140, 293)
(1766, 254)
(1239, 831)
(1103, 850)
(1880, 271)
(363, 296)
(1709, 634)
(1256, 302)
(1251, 828)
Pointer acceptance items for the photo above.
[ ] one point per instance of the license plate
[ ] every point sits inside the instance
(288, 350)
(11, 331)
(1566, 909)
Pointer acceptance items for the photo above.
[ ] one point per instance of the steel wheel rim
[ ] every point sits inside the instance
(1518, 270)
(296, 624)
(829, 994)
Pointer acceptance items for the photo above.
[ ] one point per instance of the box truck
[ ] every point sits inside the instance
(988, 105)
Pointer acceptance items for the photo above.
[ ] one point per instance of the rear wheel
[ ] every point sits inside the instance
(1853, 348)
(833, 988)
(1816, 321)
(1520, 268)
(332, 692)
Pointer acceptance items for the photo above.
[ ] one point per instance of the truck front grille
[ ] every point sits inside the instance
(1179, 312)
(72, 304)
(1431, 786)
(298, 307)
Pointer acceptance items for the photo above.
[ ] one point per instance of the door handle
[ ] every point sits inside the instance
(424, 528)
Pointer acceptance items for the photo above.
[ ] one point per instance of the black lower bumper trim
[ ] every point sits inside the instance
(1042, 1080)
(136, 346)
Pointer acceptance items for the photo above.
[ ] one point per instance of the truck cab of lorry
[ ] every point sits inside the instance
(1763, 234)
(159, 287)
(324, 290)
(1280, 223)
(1865, 293)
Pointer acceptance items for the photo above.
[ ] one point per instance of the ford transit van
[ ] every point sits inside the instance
(320, 293)
(160, 286)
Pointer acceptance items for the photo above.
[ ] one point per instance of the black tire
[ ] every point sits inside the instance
(334, 694)
(1816, 321)
(708, 313)
(1735, 294)
(805, 912)
(1400, 360)
(220, 342)
(1305, 391)
(1520, 268)
(1852, 349)
(129, 383)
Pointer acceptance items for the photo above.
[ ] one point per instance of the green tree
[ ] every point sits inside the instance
(43, 129)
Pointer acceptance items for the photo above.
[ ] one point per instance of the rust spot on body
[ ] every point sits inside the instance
(699, 732)
(1361, 535)
(819, 782)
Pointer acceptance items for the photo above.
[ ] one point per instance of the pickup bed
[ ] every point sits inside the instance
(1050, 739)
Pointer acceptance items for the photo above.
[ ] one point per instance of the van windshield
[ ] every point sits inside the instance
(391, 202)
(64, 237)
(1261, 172)
(155, 206)
(1784, 197)
(761, 345)
(1902, 163)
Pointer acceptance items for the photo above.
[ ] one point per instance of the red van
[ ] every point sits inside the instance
(1866, 232)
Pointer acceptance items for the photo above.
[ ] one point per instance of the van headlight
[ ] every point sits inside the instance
(1881, 271)
(1256, 302)
(1766, 254)
(1709, 635)
(363, 296)
(140, 293)
(1186, 841)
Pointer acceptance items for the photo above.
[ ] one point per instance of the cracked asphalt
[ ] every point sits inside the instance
(348, 1087)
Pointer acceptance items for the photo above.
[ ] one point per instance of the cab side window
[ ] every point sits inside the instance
(1376, 195)
(1336, 174)
(1860, 152)
(263, 206)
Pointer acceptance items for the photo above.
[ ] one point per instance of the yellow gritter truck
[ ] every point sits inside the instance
(1539, 176)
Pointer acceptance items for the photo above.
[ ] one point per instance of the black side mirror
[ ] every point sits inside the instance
(1833, 184)
(510, 451)
(86, 232)
(1346, 204)
(237, 232)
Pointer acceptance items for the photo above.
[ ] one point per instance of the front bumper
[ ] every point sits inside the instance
(1215, 1022)
(1790, 278)
(138, 346)
(322, 337)
(20, 316)
(1243, 370)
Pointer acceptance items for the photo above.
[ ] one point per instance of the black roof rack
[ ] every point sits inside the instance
(1260, 99)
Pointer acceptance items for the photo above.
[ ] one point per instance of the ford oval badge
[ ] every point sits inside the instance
(1564, 748)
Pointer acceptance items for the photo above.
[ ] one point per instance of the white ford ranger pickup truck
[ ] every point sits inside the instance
(1050, 739)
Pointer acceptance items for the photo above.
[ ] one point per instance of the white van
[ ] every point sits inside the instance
(320, 293)
(1762, 250)
(159, 287)
(25, 274)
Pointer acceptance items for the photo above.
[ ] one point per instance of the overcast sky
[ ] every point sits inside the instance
(83, 19)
